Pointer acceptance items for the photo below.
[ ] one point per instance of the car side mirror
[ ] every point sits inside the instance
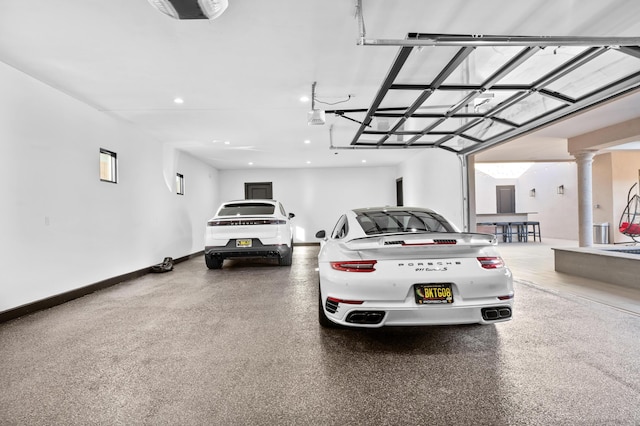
(321, 234)
(291, 215)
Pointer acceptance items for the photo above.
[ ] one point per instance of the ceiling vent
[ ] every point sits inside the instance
(191, 9)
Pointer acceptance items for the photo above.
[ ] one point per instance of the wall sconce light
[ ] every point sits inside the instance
(532, 192)
(561, 190)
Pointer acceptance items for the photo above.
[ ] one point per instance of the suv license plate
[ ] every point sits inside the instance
(429, 294)
(243, 243)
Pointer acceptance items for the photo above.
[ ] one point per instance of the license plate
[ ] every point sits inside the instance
(429, 294)
(243, 243)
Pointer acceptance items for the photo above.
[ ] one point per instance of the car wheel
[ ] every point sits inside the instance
(286, 259)
(322, 317)
(213, 262)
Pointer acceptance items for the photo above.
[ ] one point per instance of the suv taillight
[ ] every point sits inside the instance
(355, 266)
(245, 222)
(491, 262)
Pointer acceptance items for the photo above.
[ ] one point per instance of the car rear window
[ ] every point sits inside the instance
(384, 222)
(246, 209)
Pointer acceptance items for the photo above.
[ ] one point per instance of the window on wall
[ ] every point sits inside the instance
(108, 166)
(399, 193)
(179, 184)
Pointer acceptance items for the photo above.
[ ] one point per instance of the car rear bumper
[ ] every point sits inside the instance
(257, 249)
(380, 314)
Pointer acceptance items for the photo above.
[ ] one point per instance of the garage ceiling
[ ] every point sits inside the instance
(241, 76)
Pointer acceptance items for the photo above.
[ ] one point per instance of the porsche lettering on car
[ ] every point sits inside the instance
(401, 266)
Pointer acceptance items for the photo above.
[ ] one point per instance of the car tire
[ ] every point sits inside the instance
(322, 317)
(213, 262)
(286, 259)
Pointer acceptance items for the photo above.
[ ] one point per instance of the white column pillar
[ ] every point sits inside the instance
(584, 159)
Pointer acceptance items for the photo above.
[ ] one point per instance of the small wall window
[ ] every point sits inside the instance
(179, 184)
(399, 193)
(108, 166)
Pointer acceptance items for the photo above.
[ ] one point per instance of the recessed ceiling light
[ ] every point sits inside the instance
(304, 99)
(364, 161)
(178, 101)
(307, 141)
(251, 163)
(308, 162)
(227, 142)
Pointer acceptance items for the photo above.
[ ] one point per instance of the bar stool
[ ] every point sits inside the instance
(535, 229)
(520, 229)
(503, 229)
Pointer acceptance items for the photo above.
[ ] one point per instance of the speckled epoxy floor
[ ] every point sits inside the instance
(241, 346)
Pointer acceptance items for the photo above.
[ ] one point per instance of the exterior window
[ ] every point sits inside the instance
(341, 229)
(108, 166)
(179, 184)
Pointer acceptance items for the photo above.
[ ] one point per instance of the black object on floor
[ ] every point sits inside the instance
(165, 266)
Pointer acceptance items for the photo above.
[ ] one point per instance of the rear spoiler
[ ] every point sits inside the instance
(420, 239)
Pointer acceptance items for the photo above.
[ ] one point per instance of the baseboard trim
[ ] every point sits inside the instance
(61, 298)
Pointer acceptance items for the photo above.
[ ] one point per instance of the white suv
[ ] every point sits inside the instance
(249, 228)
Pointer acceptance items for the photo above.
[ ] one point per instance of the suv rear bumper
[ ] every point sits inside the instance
(257, 249)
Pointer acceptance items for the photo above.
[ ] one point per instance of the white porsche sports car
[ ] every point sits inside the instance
(409, 266)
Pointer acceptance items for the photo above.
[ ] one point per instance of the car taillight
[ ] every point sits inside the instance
(491, 262)
(349, 302)
(355, 265)
(246, 222)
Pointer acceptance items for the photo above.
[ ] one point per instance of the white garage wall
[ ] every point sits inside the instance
(433, 179)
(486, 202)
(317, 196)
(60, 227)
